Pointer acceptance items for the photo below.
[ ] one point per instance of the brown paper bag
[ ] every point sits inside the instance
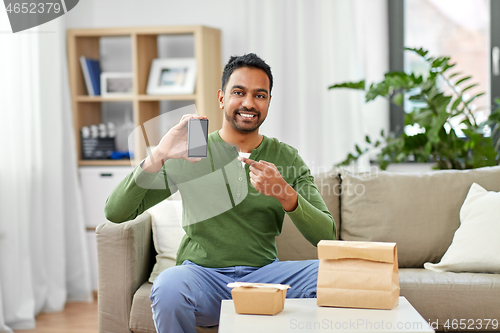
(358, 274)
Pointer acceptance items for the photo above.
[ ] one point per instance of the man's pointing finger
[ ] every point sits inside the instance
(250, 162)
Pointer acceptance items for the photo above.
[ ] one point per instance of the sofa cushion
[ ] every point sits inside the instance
(476, 244)
(141, 314)
(418, 211)
(166, 218)
(442, 296)
(291, 244)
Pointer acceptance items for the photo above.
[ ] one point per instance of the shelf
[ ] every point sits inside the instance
(105, 162)
(144, 44)
(161, 30)
(167, 97)
(83, 98)
(189, 97)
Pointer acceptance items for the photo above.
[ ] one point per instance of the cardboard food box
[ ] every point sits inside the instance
(358, 274)
(258, 298)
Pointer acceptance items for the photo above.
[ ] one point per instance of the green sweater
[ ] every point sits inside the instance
(227, 222)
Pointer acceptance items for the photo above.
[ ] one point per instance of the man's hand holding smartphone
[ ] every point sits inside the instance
(173, 145)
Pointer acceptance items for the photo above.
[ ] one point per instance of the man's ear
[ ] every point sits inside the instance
(220, 96)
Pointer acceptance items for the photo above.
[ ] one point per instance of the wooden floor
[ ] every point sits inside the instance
(76, 318)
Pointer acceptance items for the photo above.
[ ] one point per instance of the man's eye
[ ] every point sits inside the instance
(237, 93)
(261, 96)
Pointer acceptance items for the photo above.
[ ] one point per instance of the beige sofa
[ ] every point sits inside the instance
(418, 211)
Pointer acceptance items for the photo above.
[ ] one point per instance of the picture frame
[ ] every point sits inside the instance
(172, 76)
(116, 84)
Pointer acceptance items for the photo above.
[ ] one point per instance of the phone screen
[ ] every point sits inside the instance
(197, 137)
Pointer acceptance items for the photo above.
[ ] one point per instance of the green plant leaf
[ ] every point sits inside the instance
(436, 62)
(421, 52)
(416, 98)
(384, 165)
(469, 87)
(436, 125)
(440, 64)
(401, 157)
(429, 84)
(448, 66)
(375, 90)
(367, 139)
(350, 85)
(467, 122)
(494, 116)
(423, 117)
(473, 98)
(455, 74)
(398, 99)
(462, 80)
(456, 103)
(415, 142)
(348, 160)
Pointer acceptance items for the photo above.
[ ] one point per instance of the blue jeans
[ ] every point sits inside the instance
(190, 295)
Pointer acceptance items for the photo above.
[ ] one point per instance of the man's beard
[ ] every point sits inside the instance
(233, 122)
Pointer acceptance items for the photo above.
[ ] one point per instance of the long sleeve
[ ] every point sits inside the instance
(137, 192)
(245, 223)
(311, 217)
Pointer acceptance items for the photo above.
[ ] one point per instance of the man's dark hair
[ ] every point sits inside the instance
(250, 60)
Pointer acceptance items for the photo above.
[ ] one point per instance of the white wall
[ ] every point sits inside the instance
(226, 15)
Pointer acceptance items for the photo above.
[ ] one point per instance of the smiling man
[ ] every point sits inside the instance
(238, 243)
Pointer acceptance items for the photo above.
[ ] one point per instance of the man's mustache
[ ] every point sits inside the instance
(247, 110)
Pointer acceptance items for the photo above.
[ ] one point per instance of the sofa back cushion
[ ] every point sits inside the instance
(418, 211)
(291, 244)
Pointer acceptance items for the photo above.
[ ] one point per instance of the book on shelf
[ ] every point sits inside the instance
(92, 75)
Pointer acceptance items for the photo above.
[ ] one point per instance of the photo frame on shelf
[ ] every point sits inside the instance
(116, 84)
(172, 76)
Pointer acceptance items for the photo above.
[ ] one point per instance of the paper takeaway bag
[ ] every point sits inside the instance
(358, 274)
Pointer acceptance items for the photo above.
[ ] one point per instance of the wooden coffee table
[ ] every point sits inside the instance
(304, 315)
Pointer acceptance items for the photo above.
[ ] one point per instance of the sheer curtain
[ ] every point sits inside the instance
(43, 254)
(309, 46)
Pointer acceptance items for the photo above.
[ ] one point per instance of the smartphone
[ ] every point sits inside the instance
(197, 137)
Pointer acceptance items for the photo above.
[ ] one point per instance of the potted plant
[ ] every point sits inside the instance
(433, 111)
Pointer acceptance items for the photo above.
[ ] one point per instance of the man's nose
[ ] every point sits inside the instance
(248, 101)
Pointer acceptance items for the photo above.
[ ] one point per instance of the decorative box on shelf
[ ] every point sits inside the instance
(97, 148)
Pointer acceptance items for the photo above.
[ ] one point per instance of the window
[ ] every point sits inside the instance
(462, 29)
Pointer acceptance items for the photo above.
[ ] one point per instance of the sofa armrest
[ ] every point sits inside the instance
(124, 261)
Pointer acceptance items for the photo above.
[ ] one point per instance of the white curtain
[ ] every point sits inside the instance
(313, 44)
(43, 251)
